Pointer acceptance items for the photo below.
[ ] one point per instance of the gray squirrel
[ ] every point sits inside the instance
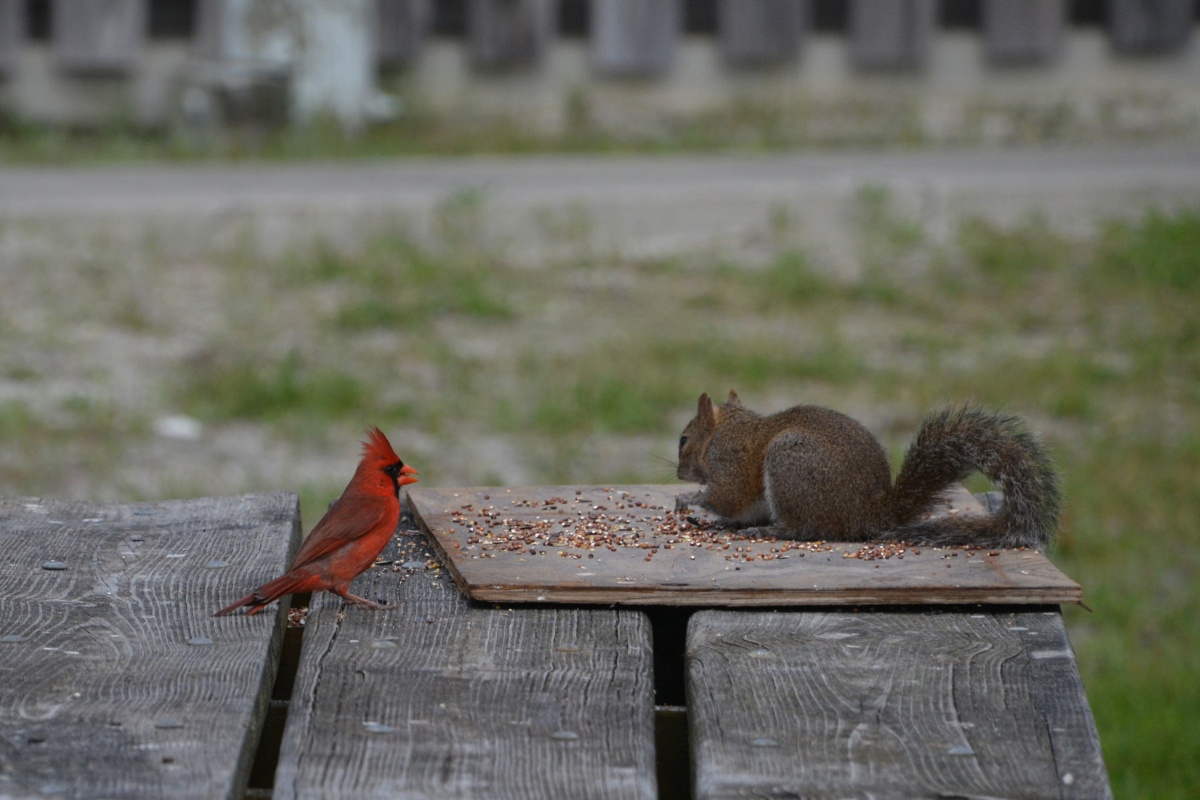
(813, 473)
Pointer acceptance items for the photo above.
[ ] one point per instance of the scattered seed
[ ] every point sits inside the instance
(581, 526)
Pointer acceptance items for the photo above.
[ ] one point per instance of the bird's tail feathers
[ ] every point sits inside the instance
(269, 592)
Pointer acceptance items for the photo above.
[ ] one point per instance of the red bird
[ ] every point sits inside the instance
(351, 535)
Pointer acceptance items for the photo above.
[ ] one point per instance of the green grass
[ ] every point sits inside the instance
(47, 445)
(1133, 545)
(586, 368)
(791, 280)
(394, 284)
(254, 387)
(1012, 258)
(1157, 254)
(746, 123)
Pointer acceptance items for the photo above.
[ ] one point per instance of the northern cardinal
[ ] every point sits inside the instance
(351, 535)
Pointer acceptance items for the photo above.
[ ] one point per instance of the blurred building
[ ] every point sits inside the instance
(845, 69)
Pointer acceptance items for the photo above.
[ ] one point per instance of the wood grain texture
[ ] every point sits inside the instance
(115, 679)
(437, 698)
(925, 703)
(682, 574)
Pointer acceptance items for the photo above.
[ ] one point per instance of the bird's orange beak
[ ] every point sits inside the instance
(407, 475)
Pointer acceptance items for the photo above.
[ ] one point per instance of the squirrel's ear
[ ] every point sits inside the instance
(704, 410)
(733, 401)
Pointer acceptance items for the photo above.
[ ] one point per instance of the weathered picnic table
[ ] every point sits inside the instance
(115, 681)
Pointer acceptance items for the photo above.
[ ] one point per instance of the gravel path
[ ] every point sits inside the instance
(643, 205)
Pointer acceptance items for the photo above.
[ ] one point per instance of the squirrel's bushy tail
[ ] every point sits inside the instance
(950, 446)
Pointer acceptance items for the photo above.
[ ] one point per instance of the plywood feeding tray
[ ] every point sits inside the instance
(624, 545)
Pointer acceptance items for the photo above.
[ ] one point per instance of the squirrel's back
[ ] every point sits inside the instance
(826, 476)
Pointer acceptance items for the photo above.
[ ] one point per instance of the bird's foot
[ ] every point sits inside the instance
(362, 602)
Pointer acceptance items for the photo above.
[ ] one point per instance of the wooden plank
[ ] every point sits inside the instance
(634, 37)
(99, 36)
(888, 704)
(12, 35)
(400, 30)
(1150, 26)
(115, 679)
(507, 34)
(438, 698)
(523, 545)
(1057, 692)
(208, 36)
(891, 34)
(1024, 31)
(762, 32)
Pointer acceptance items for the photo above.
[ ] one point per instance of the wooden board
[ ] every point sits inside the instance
(12, 35)
(1163, 26)
(115, 679)
(436, 698)
(634, 37)
(99, 36)
(761, 32)
(652, 567)
(1024, 31)
(401, 27)
(891, 34)
(888, 704)
(509, 34)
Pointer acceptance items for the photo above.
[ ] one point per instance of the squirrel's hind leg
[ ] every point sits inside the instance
(814, 496)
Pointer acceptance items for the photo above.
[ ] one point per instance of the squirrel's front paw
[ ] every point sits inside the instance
(772, 531)
(684, 502)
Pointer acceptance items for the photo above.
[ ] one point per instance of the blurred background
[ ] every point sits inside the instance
(522, 236)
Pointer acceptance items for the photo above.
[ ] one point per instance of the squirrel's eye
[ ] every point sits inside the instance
(682, 441)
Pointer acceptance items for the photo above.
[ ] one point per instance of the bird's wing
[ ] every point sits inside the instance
(348, 519)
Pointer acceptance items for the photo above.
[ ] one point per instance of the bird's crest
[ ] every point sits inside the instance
(377, 448)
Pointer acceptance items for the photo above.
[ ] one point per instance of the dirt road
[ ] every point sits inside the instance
(637, 205)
